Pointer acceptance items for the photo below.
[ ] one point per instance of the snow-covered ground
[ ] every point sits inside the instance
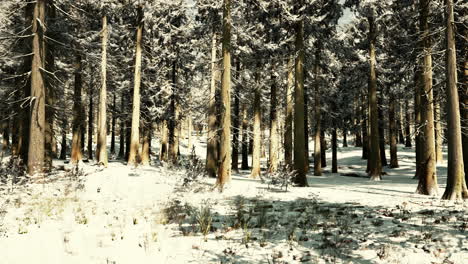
(143, 215)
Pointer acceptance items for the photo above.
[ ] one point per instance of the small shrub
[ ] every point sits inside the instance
(281, 178)
(204, 218)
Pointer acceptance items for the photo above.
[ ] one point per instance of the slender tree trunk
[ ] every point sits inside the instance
(122, 127)
(36, 153)
(318, 120)
(236, 118)
(456, 185)
(274, 143)
(5, 132)
(323, 149)
(438, 129)
(63, 150)
(245, 139)
(375, 165)
(400, 122)
(288, 126)
(113, 124)
(407, 125)
(145, 149)
(224, 172)
(101, 149)
(383, 156)
(345, 138)
(76, 154)
(164, 137)
(173, 122)
(357, 120)
(90, 119)
(212, 149)
(257, 133)
(334, 152)
(464, 111)
(364, 127)
(133, 157)
(300, 140)
(427, 178)
(393, 134)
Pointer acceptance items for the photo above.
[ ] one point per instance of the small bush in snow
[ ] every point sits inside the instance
(204, 218)
(195, 171)
(281, 178)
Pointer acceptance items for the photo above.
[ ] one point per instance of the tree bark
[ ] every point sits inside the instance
(122, 127)
(375, 165)
(257, 133)
(274, 144)
(90, 119)
(407, 125)
(288, 122)
(133, 157)
(318, 120)
(345, 138)
(113, 123)
(224, 169)
(236, 118)
(364, 127)
(36, 152)
(456, 185)
(101, 148)
(212, 140)
(334, 152)
(300, 163)
(323, 149)
(393, 133)
(383, 156)
(438, 129)
(145, 149)
(245, 139)
(63, 150)
(76, 154)
(163, 155)
(427, 178)
(174, 119)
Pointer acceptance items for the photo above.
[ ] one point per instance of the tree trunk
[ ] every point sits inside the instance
(212, 148)
(383, 156)
(90, 119)
(393, 134)
(375, 165)
(438, 129)
(174, 119)
(400, 122)
(456, 185)
(288, 122)
(407, 125)
(427, 178)
(323, 149)
(257, 133)
(364, 127)
(345, 138)
(245, 139)
(334, 152)
(63, 150)
(163, 155)
(274, 144)
(145, 149)
(300, 163)
(133, 157)
(357, 120)
(318, 120)
(224, 172)
(122, 127)
(236, 118)
(114, 120)
(36, 152)
(101, 148)
(76, 154)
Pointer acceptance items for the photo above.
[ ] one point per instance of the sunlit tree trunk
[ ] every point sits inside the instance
(36, 152)
(257, 133)
(101, 148)
(133, 157)
(456, 185)
(224, 169)
(427, 178)
(438, 129)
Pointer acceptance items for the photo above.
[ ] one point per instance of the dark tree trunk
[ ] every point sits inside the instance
(245, 139)
(334, 151)
(383, 156)
(236, 121)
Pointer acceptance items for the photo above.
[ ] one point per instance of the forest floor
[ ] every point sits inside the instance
(146, 215)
